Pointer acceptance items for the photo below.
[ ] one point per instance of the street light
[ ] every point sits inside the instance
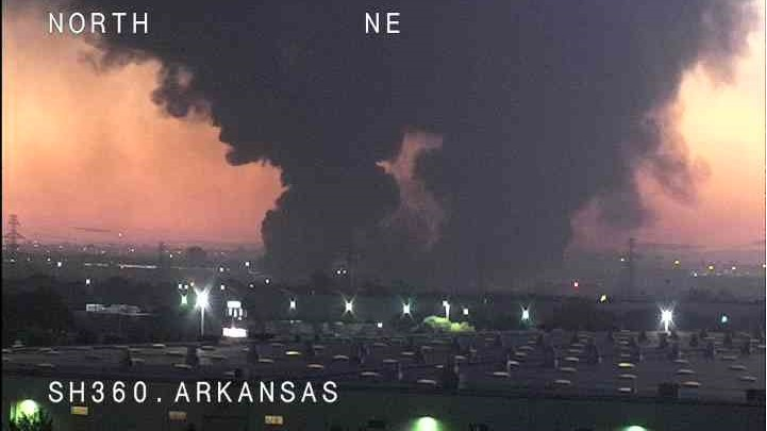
(666, 318)
(202, 304)
(447, 309)
(292, 304)
(406, 309)
(348, 306)
(525, 314)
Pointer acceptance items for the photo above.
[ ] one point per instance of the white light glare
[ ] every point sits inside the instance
(202, 300)
(525, 314)
(666, 318)
(405, 308)
(235, 332)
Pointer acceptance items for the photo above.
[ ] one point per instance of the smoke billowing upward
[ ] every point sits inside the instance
(543, 107)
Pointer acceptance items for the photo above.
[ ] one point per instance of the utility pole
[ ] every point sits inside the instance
(13, 236)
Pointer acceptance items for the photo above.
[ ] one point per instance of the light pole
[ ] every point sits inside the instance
(666, 318)
(202, 304)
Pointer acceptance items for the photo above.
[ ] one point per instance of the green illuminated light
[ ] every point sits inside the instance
(426, 423)
(26, 410)
(184, 301)
(635, 428)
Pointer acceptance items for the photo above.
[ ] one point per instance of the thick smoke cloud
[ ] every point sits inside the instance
(543, 106)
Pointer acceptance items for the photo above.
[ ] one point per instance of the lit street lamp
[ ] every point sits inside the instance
(525, 314)
(666, 318)
(202, 304)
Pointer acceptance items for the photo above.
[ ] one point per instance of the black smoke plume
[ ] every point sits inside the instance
(543, 107)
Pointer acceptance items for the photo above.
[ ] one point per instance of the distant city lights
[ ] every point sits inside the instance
(576, 284)
(379, 325)
(292, 304)
(348, 306)
(406, 309)
(603, 298)
(465, 311)
(724, 319)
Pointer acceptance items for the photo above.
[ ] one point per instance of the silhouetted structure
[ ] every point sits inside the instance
(13, 236)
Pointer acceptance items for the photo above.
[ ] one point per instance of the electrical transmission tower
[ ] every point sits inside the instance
(13, 236)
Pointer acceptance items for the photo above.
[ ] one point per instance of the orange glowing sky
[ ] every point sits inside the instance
(83, 148)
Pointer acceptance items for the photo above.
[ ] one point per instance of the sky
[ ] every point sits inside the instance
(723, 127)
(87, 148)
(84, 147)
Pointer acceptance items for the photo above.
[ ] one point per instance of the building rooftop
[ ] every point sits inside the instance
(524, 363)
